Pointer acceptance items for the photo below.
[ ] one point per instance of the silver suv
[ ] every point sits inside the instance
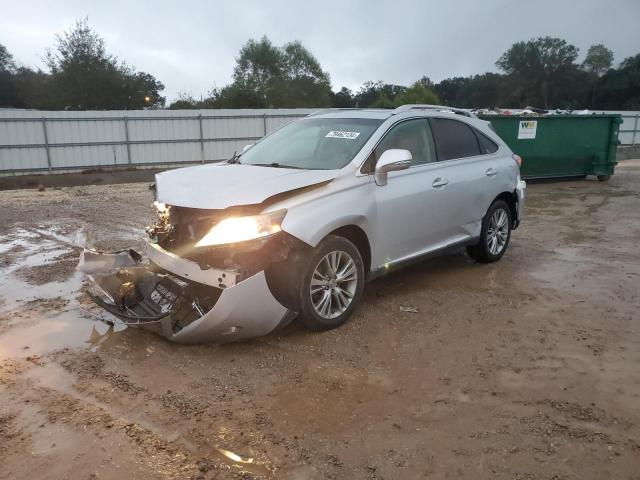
(296, 224)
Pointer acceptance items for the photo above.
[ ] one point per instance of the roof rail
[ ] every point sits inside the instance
(440, 108)
(322, 111)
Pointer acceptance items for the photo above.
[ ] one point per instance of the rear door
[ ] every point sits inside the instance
(468, 168)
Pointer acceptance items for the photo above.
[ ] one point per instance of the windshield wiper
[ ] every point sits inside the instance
(235, 159)
(276, 165)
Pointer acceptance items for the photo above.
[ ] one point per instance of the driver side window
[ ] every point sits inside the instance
(413, 135)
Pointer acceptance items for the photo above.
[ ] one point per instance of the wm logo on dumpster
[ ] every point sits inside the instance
(527, 129)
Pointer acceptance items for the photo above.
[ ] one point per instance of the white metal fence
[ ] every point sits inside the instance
(629, 133)
(38, 141)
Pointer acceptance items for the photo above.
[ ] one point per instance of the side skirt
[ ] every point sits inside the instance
(392, 267)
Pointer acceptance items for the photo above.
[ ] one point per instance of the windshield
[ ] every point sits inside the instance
(313, 144)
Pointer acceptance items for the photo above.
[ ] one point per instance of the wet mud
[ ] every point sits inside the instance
(523, 369)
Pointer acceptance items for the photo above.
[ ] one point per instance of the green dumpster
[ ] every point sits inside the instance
(561, 145)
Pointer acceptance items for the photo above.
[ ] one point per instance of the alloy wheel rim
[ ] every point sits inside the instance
(498, 231)
(333, 284)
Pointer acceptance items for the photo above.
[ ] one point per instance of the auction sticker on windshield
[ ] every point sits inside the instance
(341, 134)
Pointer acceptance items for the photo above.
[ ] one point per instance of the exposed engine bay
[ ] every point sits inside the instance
(178, 229)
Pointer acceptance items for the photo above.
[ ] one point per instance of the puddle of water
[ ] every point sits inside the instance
(15, 291)
(38, 328)
(65, 236)
(565, 267)
(6, 246)
(68, 330)
(54, 377)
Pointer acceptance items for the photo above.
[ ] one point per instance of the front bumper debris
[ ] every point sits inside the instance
(178, 299)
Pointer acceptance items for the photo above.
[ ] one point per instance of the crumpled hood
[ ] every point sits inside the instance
(222, 185)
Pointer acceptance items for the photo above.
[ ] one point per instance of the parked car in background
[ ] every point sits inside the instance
(296, 224)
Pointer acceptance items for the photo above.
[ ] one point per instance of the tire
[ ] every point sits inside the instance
(604, 178)
(331, 301)
(486, 251)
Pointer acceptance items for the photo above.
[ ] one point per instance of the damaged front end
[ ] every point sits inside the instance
(193, 294)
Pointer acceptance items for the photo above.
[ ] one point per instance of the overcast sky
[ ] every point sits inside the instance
(190, 45)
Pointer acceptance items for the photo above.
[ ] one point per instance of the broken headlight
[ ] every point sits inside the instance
(240, 229)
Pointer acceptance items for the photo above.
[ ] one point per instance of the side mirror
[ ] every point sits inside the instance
(390, 161)
(246, 147)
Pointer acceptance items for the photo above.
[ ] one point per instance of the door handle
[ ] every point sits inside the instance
(491, 172)
(440, 183)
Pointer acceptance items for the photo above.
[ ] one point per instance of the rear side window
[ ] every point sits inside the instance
(453, 139)
(486, 144)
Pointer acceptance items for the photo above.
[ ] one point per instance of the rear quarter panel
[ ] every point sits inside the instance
(508, 171)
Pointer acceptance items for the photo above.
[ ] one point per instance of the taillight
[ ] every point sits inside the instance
(517, 159)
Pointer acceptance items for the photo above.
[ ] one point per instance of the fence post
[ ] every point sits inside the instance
(46, 143)
(635, 129)
(264, 123)
(201, 138)
(126, 138)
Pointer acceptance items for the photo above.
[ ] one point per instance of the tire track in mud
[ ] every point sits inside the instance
(51, 392)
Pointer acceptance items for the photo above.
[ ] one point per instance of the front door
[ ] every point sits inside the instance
(407, 220)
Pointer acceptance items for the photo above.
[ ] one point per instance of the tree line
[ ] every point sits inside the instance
(542, 72)
(81, 76)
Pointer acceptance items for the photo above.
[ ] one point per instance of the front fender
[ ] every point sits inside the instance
(312, 232)
(345, 201)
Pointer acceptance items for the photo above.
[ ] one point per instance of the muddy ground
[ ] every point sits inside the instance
(524, 369)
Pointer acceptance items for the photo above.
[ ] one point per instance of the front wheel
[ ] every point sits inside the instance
(495, 234)
(332, 283)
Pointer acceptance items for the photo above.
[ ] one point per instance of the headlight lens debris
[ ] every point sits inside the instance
(162, 208)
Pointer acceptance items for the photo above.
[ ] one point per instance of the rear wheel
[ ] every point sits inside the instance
(495, 234)
(604, 178)
(332, 283)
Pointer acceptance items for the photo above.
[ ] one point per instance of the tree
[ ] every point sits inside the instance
(539, 69)
(141, 89)
(453, 91)
(235, 96)
(7, 65)
(298, 62)
(377, 94)
(184, 102)
(22, 87)
(8, 92)
(477, 91)
(270, 76)
(303, 82)
(599, 60)
(85, 76)
(258, 64)
(426, 82)
(343, 98)
(34, 89)
(383, 101)
(619, 89)
(417, 93)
